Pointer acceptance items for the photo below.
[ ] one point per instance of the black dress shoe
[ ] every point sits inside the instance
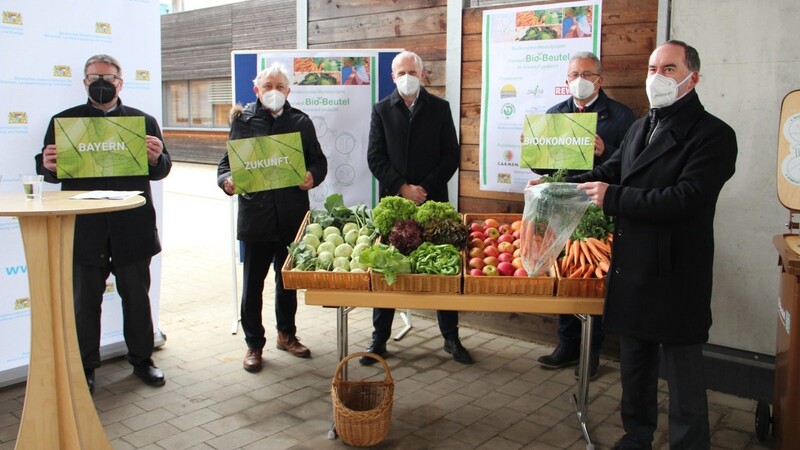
(562, 356)
(460, 354)
(594, 364)
(150, 374)
(374, 347)
(89, 379)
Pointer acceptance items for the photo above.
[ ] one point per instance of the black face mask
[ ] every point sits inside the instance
(102, 91)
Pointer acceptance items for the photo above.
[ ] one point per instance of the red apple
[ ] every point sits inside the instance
(520, 272)
(505, 247)
(491, 223)
(515, 234)
(516, 225)
(490, 271)
(490, 260)
(517, 252)
(517, 262)
(506, 269)
(489, 241)
(476, 252)
(491, 250)
(517, 243)
(476, 263)
(477, 243)
(476, 272)
(505, 257)
(504, 228)
(475, 226)
(505, 238)
(492, 232)
(477, 235)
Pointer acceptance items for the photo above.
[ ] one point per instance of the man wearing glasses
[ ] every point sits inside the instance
(585, 78)
(121, 242)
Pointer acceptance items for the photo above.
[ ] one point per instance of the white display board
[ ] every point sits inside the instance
(46, 45)
(526, 53)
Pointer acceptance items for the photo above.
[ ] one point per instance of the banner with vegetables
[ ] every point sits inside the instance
(558, 141)
(267, 162)
(91, 147)
(526, 53)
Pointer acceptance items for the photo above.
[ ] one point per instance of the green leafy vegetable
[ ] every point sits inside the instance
(594, 223)
(431, 210)
(430, 258)
(445, 231)
(385, 259)
(337, 214)
(391, 209)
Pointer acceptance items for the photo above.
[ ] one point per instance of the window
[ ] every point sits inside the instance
(197, 103)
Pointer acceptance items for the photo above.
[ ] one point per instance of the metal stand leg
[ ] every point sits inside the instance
(235, 324)
(406, 315)
(342, 348)
(581, 401)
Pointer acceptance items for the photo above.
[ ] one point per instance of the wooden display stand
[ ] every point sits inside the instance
(786, 395)
(58, 411)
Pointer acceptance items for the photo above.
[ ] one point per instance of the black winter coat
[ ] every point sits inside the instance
(126, 236)
(274, 215)
(663, 197)
(418, 148)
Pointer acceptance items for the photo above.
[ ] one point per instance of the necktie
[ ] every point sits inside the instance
(581, 109)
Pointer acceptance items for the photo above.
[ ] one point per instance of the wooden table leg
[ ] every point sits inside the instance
(58, 411)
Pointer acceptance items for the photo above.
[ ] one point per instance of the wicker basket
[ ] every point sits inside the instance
(408, 282)
(362, 410)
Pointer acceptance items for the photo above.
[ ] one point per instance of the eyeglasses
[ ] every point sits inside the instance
(573, 75)
(110, 77)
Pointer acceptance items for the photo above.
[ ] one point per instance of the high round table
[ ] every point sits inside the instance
(58, 411)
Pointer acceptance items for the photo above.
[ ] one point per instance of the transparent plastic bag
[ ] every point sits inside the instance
(551, 213)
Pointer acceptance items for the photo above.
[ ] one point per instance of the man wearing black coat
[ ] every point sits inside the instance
(662, 188)
(121, 242)
(413, 152)
(585, 78)
(269, 220)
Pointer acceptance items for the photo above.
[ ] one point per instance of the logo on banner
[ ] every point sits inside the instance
(62, 71)
(16, 270)
(17, 117)
(504, 178)
(508, 91)
(22, 303)
(508, 110)
(142, 75)
(102, 28)
(12, 17)
(110, 288)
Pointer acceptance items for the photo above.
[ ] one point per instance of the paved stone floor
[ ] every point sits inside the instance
(504, 401)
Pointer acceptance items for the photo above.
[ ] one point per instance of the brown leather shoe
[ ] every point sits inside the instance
(290, 343)
(252, 360)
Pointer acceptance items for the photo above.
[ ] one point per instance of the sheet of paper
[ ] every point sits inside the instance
(109, 195)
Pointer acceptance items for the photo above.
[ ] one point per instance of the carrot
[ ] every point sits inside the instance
(604, 266)
(575, 252)
(589, 271)
(581, 258)
(598, 272)
(585, 250)
(577, 273)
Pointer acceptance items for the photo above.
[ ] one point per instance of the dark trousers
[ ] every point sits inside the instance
(382, 321)
(133, 286)
(688, 406)
(257, 258)
(569, 331)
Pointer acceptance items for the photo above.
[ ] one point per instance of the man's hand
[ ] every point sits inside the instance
(596, 190)
(413, 192)
(307, 183)
(599, 146)
(49, 158)
(228, 186)
(154, 149)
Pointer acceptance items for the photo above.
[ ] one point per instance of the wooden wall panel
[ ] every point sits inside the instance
(381, 25)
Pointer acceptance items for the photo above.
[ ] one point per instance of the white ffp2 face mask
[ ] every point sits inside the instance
(407, 85)
(662, 91)
(273, 100)
(581, 88)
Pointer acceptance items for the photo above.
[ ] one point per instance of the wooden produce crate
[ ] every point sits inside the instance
(321, 280)
(408, 282)
(504, 285)
(579, 287)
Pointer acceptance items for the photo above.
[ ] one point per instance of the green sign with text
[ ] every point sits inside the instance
(560, 140)
(90, 147)
(267, 162)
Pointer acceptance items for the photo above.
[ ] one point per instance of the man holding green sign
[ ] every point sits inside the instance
(121, 242)
(273, 159)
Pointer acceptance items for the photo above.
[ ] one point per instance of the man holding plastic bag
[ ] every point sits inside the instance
(662, 187)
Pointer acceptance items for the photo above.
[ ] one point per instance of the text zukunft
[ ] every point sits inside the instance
(558, 140)
(262, 163)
